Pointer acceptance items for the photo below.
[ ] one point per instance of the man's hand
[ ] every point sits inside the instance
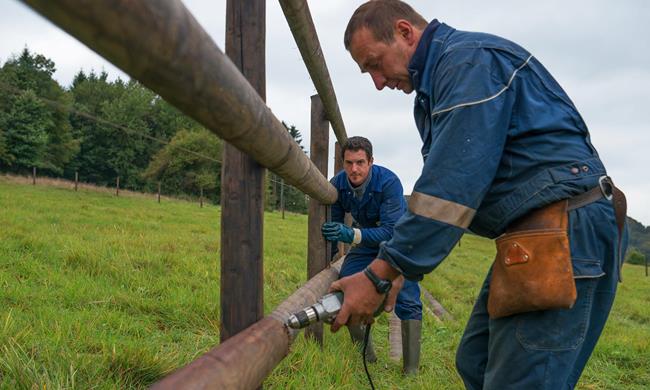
(361, 299)
(335, 231)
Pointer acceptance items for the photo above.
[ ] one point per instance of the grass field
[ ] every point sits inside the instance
(99, 292)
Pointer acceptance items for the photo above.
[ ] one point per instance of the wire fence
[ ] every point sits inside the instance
(63, 182)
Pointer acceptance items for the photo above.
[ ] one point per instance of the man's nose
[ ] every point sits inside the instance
(379, 80)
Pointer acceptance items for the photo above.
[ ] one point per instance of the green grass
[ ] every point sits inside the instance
(103, 292)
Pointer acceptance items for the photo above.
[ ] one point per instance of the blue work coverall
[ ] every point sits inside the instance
(375, 214)
(501, 138)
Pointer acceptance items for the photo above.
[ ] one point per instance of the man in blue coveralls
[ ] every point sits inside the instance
(501, 142)
(375, 198)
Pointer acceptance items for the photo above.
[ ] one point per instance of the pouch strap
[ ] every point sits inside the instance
(606, 189)
(620, 211)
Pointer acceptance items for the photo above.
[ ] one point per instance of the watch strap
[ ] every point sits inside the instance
(381, 285)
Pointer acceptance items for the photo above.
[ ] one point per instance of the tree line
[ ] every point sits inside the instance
(107, 129)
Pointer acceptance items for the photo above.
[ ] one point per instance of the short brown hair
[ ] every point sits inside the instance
(379, 17)
(355, 144)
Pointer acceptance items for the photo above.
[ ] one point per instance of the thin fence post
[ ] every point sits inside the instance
(76, 180)
(117, 186)
(318, 255)
(274, 190)
(394, 337)
(646, 266)
(282, 197)
(201, 198)
(338, 167)
(347, 219)
(158, 192)
(33, 176)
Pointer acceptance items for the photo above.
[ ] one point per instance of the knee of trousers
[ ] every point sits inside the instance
(354, 263)
(408, 313)
(465, 361)
(409, 305)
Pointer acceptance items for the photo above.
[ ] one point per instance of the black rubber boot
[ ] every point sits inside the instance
(357, 333)
(411, 330)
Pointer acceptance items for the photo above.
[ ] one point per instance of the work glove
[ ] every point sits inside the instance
(336, 231)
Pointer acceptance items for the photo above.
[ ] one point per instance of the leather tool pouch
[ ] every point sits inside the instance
(532, 270)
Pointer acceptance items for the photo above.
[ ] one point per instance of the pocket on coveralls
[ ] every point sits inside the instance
(565, 329)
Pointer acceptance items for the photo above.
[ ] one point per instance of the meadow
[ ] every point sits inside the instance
(105, 292)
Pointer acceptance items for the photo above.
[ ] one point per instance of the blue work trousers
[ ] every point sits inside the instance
(408, 305)
(548, 349)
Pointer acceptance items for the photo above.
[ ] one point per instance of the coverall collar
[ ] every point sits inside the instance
(360, 190)
(419, 59)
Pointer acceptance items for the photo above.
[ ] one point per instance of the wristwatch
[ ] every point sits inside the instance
(382, 286)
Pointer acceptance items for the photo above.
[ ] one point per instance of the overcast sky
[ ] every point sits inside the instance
(598, 50)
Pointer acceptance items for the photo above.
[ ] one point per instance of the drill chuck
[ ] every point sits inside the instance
(324, 310)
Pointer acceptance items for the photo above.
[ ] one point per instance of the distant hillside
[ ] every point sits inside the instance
(639, 236)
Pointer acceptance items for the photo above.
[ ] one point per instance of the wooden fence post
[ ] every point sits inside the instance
(76, 180)
(158, 192)
(394, 337)
(201, 198)
(117, 186)
(33, 176)
(242, 183)
(282, 197)
(338, 167)
(318, 255)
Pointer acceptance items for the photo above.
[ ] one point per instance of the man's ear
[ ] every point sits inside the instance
(371, 161)
(404, 29)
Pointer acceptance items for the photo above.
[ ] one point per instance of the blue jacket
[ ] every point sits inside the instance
(500, 138)
(376, 213)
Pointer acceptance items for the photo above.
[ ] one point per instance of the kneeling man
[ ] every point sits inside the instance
(375, 198)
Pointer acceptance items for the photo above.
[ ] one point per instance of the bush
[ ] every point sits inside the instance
(635, 256)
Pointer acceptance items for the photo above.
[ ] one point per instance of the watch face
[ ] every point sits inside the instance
(384, 286)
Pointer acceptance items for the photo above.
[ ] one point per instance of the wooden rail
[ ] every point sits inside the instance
(160, 44)
(244, 360)
(304, 33)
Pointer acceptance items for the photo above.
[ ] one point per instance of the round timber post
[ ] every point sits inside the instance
(242, 183)
(318, 255)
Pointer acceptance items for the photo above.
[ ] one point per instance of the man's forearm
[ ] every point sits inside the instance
(384, 270)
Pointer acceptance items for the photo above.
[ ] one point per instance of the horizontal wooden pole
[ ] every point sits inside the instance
(303, 30)
(161, 44)
(246, 359)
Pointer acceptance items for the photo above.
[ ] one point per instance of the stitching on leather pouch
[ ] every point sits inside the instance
(527, 233)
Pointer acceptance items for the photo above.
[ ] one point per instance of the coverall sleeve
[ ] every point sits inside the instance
(390, 210)
(336, 209)
(469, 125)
(337, 212)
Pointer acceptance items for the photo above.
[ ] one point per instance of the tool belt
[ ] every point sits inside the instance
(533, 270)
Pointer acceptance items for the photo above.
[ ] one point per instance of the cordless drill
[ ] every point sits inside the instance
(324, 310)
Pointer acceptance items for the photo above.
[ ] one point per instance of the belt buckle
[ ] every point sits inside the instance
(606, 187)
